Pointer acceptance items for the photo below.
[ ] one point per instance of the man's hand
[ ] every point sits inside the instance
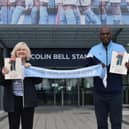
(127, 65)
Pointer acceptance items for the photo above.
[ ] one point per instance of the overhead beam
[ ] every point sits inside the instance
(2, 44)
(114, 38)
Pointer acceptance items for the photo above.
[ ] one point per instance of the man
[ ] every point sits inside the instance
(115, 9)
(31, 11)
(103, 6)
(7, 8)
(85, 7)
(68, 12)
(18, 11)
(107, 100)
(43, 15)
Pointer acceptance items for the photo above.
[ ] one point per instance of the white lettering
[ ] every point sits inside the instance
(58, 56)
(41, 56)
(78, 56)
(61, 57)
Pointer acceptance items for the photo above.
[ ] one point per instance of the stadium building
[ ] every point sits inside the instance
(60, 45)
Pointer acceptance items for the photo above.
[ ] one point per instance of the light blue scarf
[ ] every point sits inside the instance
(91, 71)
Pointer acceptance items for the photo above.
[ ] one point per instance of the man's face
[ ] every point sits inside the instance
(105, 36)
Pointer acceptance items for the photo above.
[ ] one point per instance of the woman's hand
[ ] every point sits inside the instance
(5, 70)
(26, 65)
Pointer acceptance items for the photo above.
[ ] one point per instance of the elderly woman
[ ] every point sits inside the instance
(19, 95)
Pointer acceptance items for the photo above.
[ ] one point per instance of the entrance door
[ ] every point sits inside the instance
(59, 91)
(72, 92)
(66, 91)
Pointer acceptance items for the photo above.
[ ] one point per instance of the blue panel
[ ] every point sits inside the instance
(71, 12)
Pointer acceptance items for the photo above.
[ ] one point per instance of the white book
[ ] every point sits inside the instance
(12, 1)
(118, 63)
(15, 68)
(115, 1)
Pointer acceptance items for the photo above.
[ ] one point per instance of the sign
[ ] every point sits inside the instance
(59, 58)
(87, 12)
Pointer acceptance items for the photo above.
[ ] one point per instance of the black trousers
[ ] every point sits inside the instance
(21, 115)
(108, 106)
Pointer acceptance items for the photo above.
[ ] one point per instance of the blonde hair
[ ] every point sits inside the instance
(19, 45)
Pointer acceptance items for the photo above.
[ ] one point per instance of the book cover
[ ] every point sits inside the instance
(118, 63)
(14, 65)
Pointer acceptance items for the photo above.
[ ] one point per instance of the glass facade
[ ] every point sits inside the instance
(71, 91)
(57, 92)
(126, 89)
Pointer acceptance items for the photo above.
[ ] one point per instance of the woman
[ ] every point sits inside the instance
(19, 95)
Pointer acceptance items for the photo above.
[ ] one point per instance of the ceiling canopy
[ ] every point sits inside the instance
(58, 36)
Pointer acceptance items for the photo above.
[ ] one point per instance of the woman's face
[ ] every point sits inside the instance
(21, 53)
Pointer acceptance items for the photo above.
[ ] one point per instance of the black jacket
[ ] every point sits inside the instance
(114, 81)
(30, 97)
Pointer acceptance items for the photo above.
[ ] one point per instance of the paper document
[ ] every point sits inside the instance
(118, 63)
(14, 66)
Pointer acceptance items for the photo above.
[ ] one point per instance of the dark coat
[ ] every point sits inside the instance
(30, 97)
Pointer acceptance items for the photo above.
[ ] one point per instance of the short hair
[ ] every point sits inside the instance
(19, 45)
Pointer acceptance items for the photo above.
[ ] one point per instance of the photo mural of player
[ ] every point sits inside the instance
(72, 12)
